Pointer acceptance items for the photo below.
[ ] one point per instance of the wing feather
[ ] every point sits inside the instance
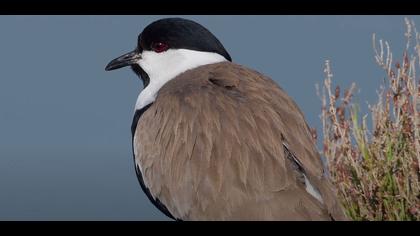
(212, 144)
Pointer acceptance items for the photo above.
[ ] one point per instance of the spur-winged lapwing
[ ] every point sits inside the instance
(214, 140)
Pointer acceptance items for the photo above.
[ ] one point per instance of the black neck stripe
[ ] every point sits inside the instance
(156, 202)
(136, 118)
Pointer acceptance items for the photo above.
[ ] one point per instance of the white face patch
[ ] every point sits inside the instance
(164, 66)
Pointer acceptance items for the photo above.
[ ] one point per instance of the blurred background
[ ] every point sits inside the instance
(65, 141)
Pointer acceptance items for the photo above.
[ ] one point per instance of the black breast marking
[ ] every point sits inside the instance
(155, 201)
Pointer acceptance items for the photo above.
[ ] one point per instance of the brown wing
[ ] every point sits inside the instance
(211, 148)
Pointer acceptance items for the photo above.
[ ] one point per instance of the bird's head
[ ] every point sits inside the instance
(168, 47)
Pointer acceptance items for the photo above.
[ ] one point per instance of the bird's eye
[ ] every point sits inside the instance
(159, 47)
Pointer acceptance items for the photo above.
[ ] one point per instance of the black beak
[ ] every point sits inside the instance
(124, 60)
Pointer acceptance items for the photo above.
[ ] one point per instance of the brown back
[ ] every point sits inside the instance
(211, 148)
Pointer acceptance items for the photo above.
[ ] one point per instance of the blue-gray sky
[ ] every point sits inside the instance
(65, 151)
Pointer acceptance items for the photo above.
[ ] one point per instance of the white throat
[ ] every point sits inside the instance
(164, 66)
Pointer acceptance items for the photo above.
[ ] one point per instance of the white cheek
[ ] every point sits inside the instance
(146, 63)
(157, 65)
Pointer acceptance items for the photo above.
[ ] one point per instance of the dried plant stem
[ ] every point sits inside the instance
(377, 172)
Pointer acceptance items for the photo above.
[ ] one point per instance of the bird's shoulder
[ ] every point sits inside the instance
(229, 79)
(213, 78)
(224, 123)
(256, 100)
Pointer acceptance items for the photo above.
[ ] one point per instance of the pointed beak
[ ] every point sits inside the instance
(124, 60)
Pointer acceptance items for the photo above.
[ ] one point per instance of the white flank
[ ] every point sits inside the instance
(311, 190)
(164, 66)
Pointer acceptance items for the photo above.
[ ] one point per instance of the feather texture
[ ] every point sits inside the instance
(211, 148)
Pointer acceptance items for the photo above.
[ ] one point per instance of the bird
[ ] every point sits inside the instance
(216, 140)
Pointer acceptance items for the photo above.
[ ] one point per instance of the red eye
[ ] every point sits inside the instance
(159, 47)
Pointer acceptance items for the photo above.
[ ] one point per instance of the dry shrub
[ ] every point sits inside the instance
(376, 170)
